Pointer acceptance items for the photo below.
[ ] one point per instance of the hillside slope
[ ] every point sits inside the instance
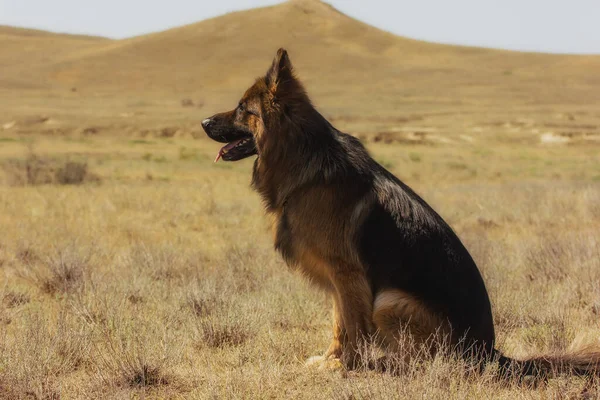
(363, 78)
(333, 52)
(28, 53)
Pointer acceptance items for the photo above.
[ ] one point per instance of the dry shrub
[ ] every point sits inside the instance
(27, 255)
(161, 263)
(222, 333)
(145, 375)
(15, 299)
(136, 353)
(135, 298)
(64, 272)
(168, 132)
(205, 305)
(91, 130)
(43, 350)
(219, 322)
(72, 173)
(37, 170)
(187, 102)
(31, 171)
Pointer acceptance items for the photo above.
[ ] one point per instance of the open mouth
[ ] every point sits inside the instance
(237, 150)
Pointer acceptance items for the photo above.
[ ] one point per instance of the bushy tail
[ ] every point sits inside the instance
(584, 362)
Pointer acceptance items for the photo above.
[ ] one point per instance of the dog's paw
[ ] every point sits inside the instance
(325, 363)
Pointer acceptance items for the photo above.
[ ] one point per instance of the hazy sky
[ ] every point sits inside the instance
(569, 26)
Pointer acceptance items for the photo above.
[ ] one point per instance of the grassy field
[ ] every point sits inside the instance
(132, 266)
(155, 276)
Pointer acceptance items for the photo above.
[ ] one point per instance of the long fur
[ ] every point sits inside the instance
(388, 259)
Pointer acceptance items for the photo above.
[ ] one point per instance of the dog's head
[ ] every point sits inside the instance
(259, 112)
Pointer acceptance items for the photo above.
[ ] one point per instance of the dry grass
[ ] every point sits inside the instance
(169, 288)
(162, 282)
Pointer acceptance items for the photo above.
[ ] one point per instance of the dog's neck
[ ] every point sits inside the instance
(297, 156)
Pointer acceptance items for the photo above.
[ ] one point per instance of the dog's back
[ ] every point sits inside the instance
(414, 259)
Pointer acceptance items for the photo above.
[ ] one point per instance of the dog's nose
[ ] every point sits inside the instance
(206, 123)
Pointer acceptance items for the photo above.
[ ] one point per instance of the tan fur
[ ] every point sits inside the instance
(352, 298)
(323, 253)
(339, 334)
(315, 268)
(395, 311)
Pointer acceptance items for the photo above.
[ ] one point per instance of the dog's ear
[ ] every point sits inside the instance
(280, 72)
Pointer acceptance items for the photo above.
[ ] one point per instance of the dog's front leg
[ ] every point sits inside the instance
(332, 357)
(355, 302)
(339, 333)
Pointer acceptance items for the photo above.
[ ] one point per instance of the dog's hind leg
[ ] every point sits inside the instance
(405, 324)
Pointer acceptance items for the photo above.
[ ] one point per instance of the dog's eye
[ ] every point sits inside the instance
(242, 108)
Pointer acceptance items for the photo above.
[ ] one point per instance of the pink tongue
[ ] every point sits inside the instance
(225, 148)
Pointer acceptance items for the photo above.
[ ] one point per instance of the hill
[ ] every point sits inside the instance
(327, 46)
(352, 70)
(27, 53)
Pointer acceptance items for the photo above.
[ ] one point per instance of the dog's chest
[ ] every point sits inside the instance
(309, 239)
(298, 226)
(293, 241)
(283, 235)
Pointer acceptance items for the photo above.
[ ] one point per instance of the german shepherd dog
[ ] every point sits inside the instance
(392, 265)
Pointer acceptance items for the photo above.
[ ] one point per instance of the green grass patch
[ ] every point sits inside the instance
(152, 158)
(414, 157)
(187, 154)
(387, 164)
(459, 166)
(141, 141)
